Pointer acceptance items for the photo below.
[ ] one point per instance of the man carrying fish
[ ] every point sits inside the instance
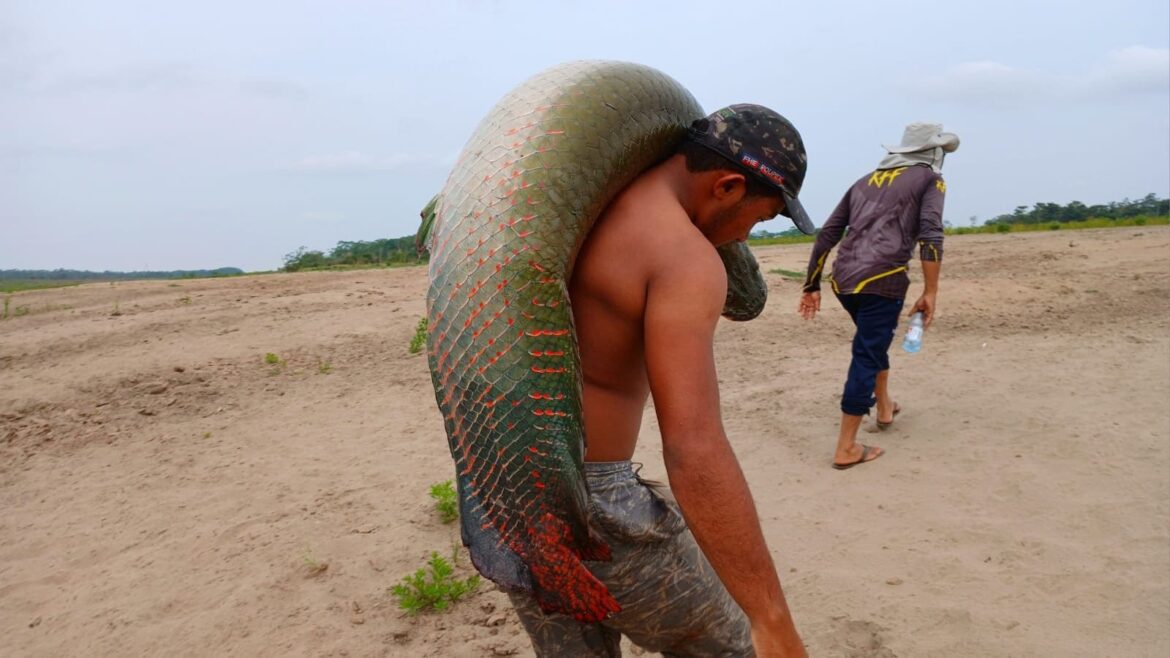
(693, 578)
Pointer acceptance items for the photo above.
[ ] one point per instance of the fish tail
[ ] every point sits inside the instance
(561, 583)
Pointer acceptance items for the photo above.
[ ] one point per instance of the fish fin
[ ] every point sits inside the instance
(594, 549)
(422, 238)
(561, 582)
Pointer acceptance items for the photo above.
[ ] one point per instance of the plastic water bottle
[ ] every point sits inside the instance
(913, 341)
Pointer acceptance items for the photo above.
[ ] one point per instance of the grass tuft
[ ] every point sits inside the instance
(433, 587)
(799, 276)
(446, 501)
(420, 337)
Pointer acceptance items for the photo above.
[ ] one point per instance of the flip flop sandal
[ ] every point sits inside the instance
(865, 451)
(885, 426)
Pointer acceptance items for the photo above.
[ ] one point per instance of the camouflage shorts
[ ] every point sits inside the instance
(672, 601)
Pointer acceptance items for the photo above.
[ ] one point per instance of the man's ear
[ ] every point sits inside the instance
(729, 187)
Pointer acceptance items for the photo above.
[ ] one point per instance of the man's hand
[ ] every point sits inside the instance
(810, 303)
(926, 303)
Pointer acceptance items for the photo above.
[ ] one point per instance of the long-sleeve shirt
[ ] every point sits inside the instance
(886, 213)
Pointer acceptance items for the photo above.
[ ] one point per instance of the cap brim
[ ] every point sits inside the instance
(794, 211)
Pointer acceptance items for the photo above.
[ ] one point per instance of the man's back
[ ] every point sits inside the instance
(644, 238)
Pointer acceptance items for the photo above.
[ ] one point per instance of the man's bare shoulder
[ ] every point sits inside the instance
(667, 243)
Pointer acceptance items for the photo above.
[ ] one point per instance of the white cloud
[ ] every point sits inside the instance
(1130, 71)
(1136, 69)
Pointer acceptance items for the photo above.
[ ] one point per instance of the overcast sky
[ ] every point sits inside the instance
(160, 135)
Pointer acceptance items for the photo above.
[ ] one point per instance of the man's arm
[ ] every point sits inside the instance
(930, 247)
(929, 298)
(828, 237)
(683, 304)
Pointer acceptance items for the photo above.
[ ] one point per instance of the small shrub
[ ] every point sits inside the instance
(420, 337)
(1054, 226)
(436, 590)
(446, 502)
(323, 368)
(1003, 228)
(271, 359)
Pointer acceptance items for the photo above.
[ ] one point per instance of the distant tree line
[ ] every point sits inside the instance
(389, 251)
(789, 233)
(1149, 205)
(86, 275)
(402, 251)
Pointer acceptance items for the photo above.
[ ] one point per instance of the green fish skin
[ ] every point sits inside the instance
(503, 234)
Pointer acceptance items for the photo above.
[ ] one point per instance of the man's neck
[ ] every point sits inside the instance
(673, 175)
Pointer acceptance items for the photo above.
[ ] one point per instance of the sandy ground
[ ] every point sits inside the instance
(164, 491)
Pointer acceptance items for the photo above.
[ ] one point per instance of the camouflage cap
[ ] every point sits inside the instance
(763, 144)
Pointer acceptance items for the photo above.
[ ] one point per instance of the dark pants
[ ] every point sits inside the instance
(876, 318)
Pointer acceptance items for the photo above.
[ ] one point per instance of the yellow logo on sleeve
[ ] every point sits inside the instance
(940, 186)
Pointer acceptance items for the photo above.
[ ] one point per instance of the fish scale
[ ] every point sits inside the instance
(501, 346)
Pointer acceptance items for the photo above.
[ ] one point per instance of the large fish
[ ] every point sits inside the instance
(503, 234)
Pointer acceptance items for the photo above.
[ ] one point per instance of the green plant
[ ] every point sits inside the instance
(276, 362)
(420, 337)
(314, 566)
(7, 300)
(436, 590)
(324, 368)
(445, 501)
(799, 276)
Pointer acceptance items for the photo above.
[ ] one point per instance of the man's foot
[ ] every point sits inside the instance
(884, 424)
(864, 454)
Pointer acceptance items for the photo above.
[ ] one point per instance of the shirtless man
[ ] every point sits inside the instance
(647, 291)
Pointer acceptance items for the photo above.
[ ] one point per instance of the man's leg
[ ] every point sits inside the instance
(876, 319)
(672, 600)
(848, 452)
(560, 636)
(885, 404)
